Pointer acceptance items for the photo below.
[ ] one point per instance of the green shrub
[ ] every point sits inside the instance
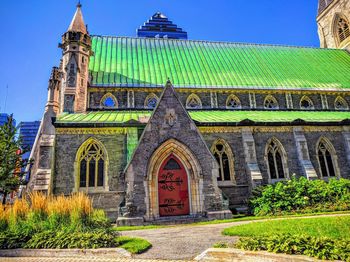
(318, 247)
(67, 239)
(300, 195)
(98, 219)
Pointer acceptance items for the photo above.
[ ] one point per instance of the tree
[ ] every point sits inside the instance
(11, 161)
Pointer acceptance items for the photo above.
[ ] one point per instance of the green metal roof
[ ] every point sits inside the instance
(146, 62)
(203, 117)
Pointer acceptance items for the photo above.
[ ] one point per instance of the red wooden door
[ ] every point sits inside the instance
(173, 188)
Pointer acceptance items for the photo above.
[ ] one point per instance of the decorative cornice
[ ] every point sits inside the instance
(95, 131)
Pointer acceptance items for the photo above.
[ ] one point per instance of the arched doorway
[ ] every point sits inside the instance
(173, 195)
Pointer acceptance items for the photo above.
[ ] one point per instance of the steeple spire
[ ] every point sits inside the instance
(77, 24)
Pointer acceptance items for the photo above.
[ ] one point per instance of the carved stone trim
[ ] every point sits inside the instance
(97, 131)
(252, 100)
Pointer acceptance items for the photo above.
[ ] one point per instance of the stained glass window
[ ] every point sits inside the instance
(340, 104)
(306, 103)
(233, 102)
(325, 160)
(270, 102)
(275, 160)
(109, 101)
(151, 101)
(224, 157)
(91, 166)
(193, 102)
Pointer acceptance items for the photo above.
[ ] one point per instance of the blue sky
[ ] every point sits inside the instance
(31, 30)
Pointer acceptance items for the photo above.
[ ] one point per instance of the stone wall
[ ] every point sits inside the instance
(205, 97)
(66, 149)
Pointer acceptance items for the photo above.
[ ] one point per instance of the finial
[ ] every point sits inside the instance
(79, 4)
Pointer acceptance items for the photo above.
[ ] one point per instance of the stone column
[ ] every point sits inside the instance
(214, 99)
(250, 157)
(131, 99)
(346, 135)
(289, 101)
(308, 169)
(252, 100)
(324, 101)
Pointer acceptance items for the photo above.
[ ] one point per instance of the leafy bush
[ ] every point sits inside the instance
(318, 247)
(300, 195)
(67, 239)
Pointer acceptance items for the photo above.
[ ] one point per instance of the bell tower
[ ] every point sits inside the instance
(333, 21)
(76, 52)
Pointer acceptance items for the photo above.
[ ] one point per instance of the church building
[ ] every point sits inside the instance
(161, 128)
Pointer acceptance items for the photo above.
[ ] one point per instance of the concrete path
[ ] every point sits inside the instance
(182, 242)
(188, 241)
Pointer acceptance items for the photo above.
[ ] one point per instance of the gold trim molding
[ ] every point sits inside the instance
(91, 130)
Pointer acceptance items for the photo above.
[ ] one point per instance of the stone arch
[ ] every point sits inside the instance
(194, 173)
(340, 28)
(306, 103)
(270, 102)
(105, 98)
(83, 147)
(274, 146)
(193, 102)
(341, 104)
(323, 146)
(227, 149)
(233, 102)
(148, 98)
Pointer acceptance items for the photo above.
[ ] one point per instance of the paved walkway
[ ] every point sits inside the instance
(182, 242)
(85, 259)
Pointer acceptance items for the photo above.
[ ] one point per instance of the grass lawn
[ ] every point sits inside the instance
(133, 244)
(332, 227)
(236, 218)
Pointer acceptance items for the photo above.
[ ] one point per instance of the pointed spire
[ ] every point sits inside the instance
(77, 24)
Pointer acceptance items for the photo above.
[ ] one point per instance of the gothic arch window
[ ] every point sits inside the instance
(151, 101)
(224, 156)
(327, 158)
(341, 28)
(91, 166)
(109, 101)
(270, 102)
(276, 160)
(340, 104)
(306, 103)
(193, 102)
(233, 102)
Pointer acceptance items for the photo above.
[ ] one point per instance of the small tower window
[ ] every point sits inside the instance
(109, 101)
(340, 104)
(270, 102)
(342, 28)
(233, 102)
(306, 103)
(193, 102)
(151, 101)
